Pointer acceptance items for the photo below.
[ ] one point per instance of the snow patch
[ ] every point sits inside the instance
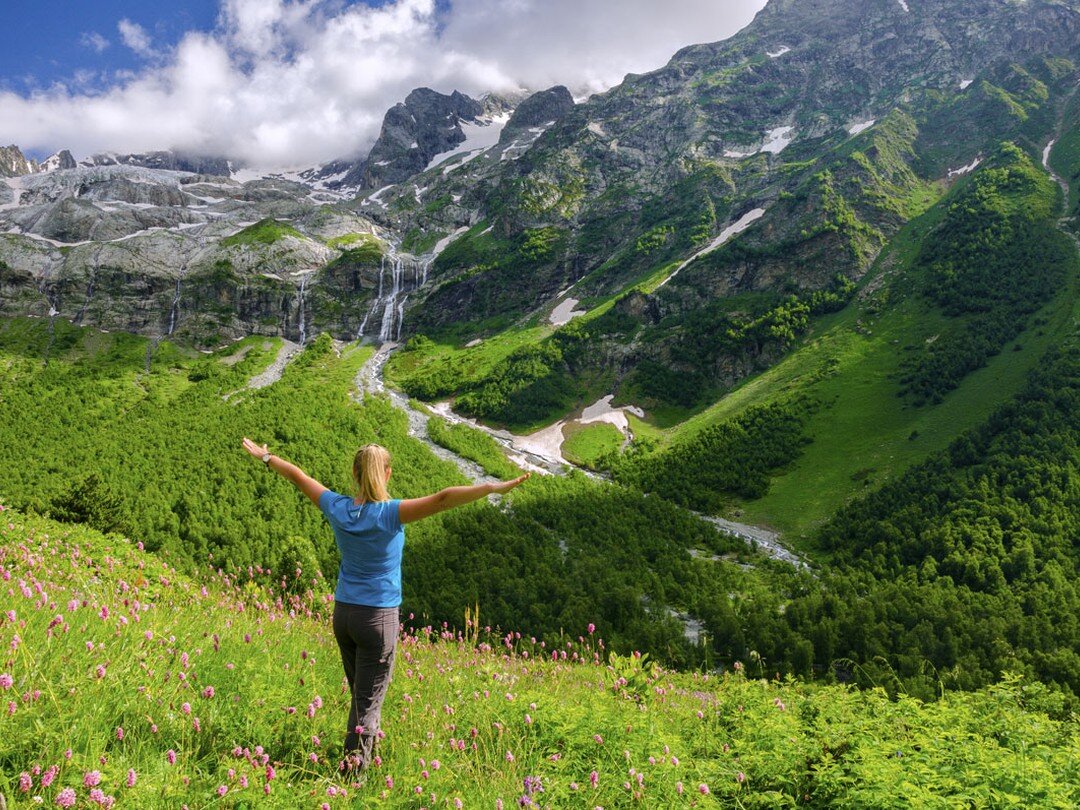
(480, 135)
(744, 222)
(778, 139)
(376, 197)
(860, 126)
(546, 442)
(565, 312)
(443, 243)
(965, 83)
(778, 53)
(903, 5)
(601, 411)
(965, 169)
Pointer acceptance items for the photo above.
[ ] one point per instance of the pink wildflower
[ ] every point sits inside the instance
(186, 708)
(25, 782)
(703, 789)
(119, 732)
(92, 779)
(6, 681)
(131, 777)
(170, 755)
(222, 790)
(66, 797)
(208, 692)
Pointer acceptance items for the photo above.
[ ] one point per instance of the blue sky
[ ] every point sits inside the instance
(292, 83)
(47, 41)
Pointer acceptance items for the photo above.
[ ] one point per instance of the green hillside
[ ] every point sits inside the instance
(160, 689)
(859, 366)
(121, 434)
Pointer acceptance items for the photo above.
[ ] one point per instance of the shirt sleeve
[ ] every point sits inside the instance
(393, 516)
(326, 503)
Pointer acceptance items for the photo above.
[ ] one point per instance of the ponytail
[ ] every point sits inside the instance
(369, 470)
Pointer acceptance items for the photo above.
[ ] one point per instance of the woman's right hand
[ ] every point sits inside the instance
(502, 487)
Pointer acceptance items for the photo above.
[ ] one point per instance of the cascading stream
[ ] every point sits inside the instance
(175, 306)
(392, 295)
(302, 323)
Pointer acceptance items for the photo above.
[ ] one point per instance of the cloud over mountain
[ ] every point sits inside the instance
(290, 83)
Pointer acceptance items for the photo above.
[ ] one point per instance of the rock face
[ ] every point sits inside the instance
(13, 163)
(167, 160)
(541, 109)
(61, 160)
(820, 118)
(413, 132)
(196, 257)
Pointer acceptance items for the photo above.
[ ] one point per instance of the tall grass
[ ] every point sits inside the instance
(127, 683)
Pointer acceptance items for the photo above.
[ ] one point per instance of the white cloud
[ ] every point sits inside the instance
(94, 41)
(135, 37)
(294, 82)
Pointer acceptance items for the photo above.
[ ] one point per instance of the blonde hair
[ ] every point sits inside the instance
(369, 469)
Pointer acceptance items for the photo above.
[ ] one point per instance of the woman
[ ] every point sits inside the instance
(369, 534)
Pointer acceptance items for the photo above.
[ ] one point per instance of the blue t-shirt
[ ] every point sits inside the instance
(370, 538)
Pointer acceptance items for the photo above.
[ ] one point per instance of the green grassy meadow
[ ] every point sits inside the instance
(128, 684)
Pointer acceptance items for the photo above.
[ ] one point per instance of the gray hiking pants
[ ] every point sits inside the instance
(366, 637)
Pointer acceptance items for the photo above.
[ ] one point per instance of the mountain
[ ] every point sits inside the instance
(801, 305)
(168, 160)
(14, 164)
(708, 218)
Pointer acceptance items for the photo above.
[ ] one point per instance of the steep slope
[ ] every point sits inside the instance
(158, 689)
(673, 157)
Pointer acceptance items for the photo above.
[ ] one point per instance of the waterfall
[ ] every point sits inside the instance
(175, 307)
(390, 310)
(401, 316)
(395, 287)
(300, 307)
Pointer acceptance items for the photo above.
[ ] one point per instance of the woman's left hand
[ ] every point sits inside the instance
(256, 450)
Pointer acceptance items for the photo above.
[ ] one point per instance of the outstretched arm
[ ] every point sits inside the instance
(418, 508)
(304, 482)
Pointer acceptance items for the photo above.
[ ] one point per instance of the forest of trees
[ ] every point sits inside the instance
(963, 568)
(994, 260)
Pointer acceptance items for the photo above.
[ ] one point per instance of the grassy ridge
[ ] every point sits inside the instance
(864, 434)
(243, 687)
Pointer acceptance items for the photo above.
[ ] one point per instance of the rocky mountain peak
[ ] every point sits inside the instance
(13, 163)
(61, 160)
(538, 110)
(426, 124)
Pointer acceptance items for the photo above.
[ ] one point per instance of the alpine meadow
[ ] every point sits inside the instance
(786, 332)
